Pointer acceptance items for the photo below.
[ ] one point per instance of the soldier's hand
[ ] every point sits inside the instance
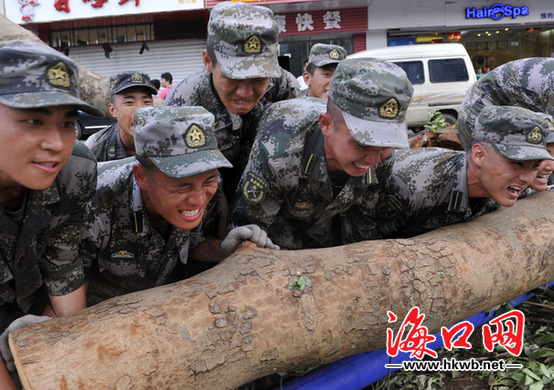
(21, 322)
(239, 234)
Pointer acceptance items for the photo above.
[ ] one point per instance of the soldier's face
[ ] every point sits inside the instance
(180, 201)
(319, 83)
(344, 153)
(125, 104)
(238, 96)
(545, 170)
(503, 179)
(36, 144)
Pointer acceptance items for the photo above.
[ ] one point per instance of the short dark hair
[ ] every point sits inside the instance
(146, 163)
(167, 76)
(156, 83)
(211, 54)
(334, 112)
(310, 68)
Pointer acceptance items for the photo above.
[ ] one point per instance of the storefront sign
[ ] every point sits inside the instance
(24, 11)
(310, 22)
(496, 12)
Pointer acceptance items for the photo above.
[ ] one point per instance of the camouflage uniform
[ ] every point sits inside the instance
(428, 187)
(39, 243)
(106, 145)
(426, 190)
(42, 250)
(123, 252)
(527, 82)
(235, 133)
(286, 189)
(243, 38)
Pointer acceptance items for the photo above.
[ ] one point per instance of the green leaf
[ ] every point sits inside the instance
(545, 371)
(531, 374)
(301, 283)
(536, 386)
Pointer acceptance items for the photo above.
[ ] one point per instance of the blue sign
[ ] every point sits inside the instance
(496, 12)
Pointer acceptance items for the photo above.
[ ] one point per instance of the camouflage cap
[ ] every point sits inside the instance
(244, 39)
(180, 141)
(130, 79)
(550, 137)
(33, 75)
(373, 96)
(516, 132)
(322, 54)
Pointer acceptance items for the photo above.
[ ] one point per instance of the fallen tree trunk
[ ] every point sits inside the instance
(93, 87)
(239, 320)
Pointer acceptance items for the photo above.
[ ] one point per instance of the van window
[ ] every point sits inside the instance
(445, 71)
(414, 70)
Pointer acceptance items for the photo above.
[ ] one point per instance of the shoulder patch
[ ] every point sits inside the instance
(254, 188)
(389, 208)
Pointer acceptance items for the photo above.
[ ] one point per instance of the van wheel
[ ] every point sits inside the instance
(450, 119)
(78, 130)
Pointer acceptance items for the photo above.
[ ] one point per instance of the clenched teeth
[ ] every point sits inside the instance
(517, 189)
(362, 166)
(49, 165)
(189, 213)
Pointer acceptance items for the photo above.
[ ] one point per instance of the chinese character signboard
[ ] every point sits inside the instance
(324, 21)
(31, 11)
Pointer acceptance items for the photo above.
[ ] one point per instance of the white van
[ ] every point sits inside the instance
(441, 74)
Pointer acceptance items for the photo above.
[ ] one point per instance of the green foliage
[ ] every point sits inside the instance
(437, 121)
(300, 284)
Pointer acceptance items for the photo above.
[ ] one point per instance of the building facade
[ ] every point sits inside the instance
(107, 36)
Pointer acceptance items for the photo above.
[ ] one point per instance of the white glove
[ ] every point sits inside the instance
(239, 234)
(21, 322)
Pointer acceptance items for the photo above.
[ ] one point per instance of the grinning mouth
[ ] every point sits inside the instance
(516, 190)
(191, 213)
(359, 166)
(49, 165)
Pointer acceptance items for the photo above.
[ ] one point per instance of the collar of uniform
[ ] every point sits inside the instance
(138, 213)
(115, 147)
(313, 164)
(459, 201)
(47, 196)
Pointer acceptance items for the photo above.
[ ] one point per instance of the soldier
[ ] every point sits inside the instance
(145, 207)
(129, 91)
(46, 178)
(545, 176)
(527, 82)
(432, 187)
(242, 76)
(322, 63)
(313, 161)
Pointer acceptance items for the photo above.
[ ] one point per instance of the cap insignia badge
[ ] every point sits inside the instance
(195, 137)
(334, 54)
(534, 136)
(389, 109)
(136, 78)
(253, 45)
(58, 76)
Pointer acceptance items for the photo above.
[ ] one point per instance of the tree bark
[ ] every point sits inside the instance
(93, 88)
(240, 321)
